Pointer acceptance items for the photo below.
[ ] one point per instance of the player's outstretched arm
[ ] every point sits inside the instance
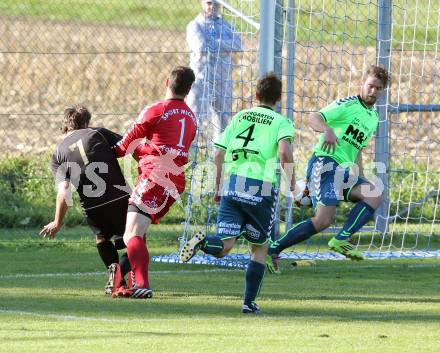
(136, 134)
(319, 125)
(64, 193)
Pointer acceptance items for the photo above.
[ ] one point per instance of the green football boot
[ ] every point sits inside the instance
(345, 248)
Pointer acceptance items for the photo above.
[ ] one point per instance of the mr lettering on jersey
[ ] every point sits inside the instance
(354, 136)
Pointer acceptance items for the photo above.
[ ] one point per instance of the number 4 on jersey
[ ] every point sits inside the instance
(248, 137)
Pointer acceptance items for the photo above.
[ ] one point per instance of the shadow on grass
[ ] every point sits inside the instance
(379, 287)
(83, 308)
(233, 290)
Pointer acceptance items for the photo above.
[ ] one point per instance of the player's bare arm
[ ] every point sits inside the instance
(52, 228)
(219, 159)
(319, 125)
(285, 153)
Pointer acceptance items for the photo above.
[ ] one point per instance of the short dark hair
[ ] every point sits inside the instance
(181, 80)
(75, 117)
(269, 88)
(380, 73)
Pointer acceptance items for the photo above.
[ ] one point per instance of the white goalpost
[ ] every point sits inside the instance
(321, 50)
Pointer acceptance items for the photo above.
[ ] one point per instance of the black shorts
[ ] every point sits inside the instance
(108, 220)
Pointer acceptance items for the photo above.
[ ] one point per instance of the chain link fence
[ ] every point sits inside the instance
(114, 57)
(111, 56)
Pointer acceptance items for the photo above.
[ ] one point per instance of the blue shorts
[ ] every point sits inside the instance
(329, 183)
(247, 208)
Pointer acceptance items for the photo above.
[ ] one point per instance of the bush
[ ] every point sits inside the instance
(28, 194)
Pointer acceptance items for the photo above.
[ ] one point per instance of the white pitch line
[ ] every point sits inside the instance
(55, 316)
(119, 321)
(41, 275)
(316, 267)
(161, 272)
(81, 318)
(88, 274)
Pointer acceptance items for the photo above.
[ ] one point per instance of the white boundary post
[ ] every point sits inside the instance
(267, 36)
(383, 53)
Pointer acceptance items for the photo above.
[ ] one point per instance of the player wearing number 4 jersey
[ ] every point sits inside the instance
(247, 152)
(161, 139)
(85, 160)
(346, 127)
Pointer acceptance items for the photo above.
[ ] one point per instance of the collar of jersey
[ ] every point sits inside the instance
(362, 102)
(265, 106)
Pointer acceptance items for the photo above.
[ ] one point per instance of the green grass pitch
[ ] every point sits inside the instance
(52, 301)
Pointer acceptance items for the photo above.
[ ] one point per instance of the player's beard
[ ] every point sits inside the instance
(371, 100)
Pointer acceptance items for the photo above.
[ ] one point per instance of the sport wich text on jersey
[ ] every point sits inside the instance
(161, 136)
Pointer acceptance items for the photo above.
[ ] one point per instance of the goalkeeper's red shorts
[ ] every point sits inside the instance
(154, 199)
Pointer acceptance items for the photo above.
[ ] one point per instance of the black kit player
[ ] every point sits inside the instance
(84, 159)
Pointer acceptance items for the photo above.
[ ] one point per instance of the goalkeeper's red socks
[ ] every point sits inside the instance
(139, 260)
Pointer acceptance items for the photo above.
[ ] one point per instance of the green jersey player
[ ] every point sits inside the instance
(247, 152)
(346, 126)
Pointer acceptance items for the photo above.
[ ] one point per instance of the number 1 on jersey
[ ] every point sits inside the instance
(79, 144)
(182, 132)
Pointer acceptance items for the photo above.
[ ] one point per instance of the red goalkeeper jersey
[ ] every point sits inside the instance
(161, 138)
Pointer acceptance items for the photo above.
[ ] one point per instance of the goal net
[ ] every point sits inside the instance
(321, 51)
